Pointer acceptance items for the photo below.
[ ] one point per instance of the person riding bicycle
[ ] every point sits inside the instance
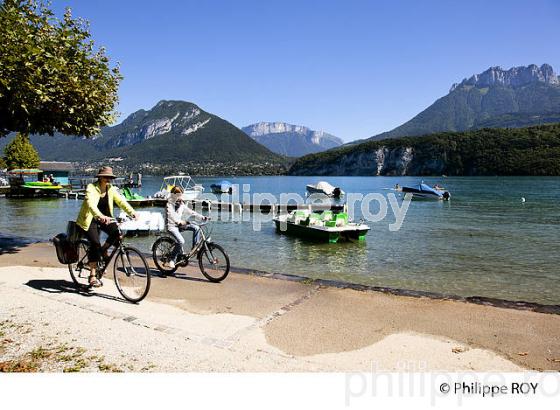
(96, 214)
(175, 209)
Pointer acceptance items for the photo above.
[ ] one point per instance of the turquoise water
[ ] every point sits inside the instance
(484, 242)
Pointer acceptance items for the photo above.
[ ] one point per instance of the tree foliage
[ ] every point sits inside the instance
(20, 153)
(51, 76)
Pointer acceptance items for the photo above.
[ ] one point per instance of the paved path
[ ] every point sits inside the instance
(243, 324)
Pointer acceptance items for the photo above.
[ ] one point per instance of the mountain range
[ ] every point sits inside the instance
(489, 151)
(473, 130)
(291, 140)
(172, 135)
(180, 136)
(518, 97)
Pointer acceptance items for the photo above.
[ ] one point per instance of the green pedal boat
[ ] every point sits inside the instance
(325, 227)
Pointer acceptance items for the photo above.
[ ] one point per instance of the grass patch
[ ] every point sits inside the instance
(78, 366)
(40, 353)
(109, 368)
(19, 366)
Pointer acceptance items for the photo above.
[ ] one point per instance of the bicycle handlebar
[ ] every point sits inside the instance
(205, 222)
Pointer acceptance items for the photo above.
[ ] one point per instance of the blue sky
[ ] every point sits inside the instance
(351, 68)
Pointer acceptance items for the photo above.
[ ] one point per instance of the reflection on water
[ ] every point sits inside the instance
(484, 241)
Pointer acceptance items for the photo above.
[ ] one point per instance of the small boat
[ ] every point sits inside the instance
(190, 189)
(325, 227)
(224, 187)
(326, 189)
(146, 223)
(426, 192)
(42, 186)
(129, 195)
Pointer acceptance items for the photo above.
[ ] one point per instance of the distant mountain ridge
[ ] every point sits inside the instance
(531, 94)
(489, 151)
(291, 140)
(171, 134)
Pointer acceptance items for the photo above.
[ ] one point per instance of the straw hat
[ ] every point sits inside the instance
(106, 172)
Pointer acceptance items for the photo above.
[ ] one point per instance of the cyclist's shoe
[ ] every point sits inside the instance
(171, 265)
(94, 282)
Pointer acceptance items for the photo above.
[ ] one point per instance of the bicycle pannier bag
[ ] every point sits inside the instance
(66, 251)
(73, 232)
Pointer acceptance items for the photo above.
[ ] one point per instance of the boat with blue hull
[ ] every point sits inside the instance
(423, 191)
(224, 187)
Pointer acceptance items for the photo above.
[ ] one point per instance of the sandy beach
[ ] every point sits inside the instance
(252, 323)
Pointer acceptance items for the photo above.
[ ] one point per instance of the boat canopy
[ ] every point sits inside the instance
(184, 181)
(26, 171)
(327, 189)
(426, 188)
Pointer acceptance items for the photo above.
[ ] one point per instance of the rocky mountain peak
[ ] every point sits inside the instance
(514, 77)
(264, 128)
(290, 140)
(179, 117)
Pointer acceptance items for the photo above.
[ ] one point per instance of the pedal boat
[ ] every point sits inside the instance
(325, 227)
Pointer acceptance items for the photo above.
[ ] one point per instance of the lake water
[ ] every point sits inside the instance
(484, 242)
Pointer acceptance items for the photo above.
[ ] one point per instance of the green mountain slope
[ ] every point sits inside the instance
(519, 151)
(172, 133)
(488, 99)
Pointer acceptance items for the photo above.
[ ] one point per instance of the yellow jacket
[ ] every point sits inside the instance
(90, 210)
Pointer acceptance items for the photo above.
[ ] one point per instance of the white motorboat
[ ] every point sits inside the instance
(190, 189)
(326, 189)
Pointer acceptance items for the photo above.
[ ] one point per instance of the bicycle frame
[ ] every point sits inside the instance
(103, 264)
(204, 239)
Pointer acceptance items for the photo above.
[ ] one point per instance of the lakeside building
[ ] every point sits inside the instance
(59, 170)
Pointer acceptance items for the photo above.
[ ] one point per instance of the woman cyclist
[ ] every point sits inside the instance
(96, 214)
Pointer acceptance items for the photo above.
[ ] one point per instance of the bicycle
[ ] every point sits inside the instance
(130, 269)
(212, 258)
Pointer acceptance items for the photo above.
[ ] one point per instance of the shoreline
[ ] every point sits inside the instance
(337, 328)
(477, 300)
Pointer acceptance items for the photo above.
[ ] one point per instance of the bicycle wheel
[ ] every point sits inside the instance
(162, 250)
(214, 262)
(79, 271)
(132, 274)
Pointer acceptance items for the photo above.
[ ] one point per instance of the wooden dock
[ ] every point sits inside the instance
(263, 208)
(220, 206)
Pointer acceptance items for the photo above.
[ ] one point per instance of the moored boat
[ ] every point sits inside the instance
(130, 195)
(426, 192)
(38, 185)
(325, 227)
(325, 188)
(190, 189)
(224, 187)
